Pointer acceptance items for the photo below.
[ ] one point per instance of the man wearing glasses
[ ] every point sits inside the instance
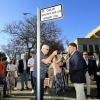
(88, 72)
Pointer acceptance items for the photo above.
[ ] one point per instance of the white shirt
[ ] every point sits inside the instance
(73, 52)
(97, 62)
(11, 67)
(86, 60)
(24, 62)
(31, 62)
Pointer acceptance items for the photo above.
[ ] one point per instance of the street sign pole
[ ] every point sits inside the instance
(38, 54)
(45, 14)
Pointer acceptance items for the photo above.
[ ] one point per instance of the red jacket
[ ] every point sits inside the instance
(2, 69)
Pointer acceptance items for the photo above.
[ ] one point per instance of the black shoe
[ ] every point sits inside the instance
(22, 89)
(88, 96)
(6, 96)
(27, 88)
(97, 97)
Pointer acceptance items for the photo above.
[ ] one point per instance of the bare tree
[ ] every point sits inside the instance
(25, 32)
(12, 49)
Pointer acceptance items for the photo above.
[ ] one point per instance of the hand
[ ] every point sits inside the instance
(66, 71)
(18, 74)
(54, 53)
(98, 73)
(92, 77)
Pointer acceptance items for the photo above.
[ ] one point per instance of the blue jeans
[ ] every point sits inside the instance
(32, 82)
(41, 88)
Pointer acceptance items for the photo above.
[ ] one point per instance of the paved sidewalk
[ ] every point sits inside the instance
(68, 95)
(26, 95)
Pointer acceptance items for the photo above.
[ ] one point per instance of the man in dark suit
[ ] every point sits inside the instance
(89, 71)
(77, 69)
(97, 72)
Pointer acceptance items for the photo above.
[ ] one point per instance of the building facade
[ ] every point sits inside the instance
(88, 44)
(91, 42)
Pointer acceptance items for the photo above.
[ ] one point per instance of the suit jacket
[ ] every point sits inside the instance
(90, 67)
(96, 69)
(77, 68)
(21, 66)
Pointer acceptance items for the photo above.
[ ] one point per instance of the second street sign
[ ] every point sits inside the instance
(51, 13)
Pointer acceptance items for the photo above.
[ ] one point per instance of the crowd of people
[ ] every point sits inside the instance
(78, 66)
(11, 72)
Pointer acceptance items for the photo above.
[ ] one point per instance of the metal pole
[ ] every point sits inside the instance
(38, 54)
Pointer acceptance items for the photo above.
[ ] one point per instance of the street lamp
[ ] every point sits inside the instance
(29, 44)
(25, 13)
(67, 42)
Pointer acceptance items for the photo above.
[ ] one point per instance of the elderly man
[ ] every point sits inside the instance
(44, 64)
(77, 69)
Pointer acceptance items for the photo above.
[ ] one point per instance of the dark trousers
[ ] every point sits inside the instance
(98, 87)
(41, 88)
(32, 82)
(4, 83)
(24, 78)
(15, 81)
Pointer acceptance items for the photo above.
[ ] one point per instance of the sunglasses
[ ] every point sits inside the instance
(85, 54)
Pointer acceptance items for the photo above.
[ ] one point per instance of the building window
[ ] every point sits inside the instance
(96, 48)
(84, 47)
(90, 48)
